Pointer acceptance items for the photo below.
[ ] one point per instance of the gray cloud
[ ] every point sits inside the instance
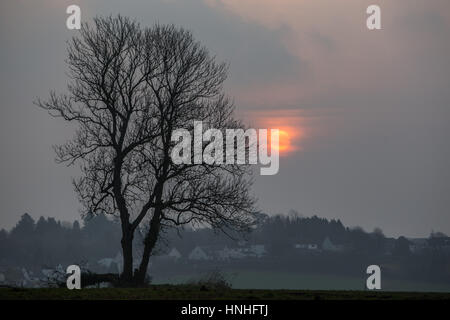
(377, 152)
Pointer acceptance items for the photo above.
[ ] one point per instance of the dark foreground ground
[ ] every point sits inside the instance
(189, 292)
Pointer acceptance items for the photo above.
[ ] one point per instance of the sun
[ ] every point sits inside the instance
(286, 138)
(290, 124)
(284, 143)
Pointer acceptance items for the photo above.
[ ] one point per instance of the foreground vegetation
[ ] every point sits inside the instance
(193, 292)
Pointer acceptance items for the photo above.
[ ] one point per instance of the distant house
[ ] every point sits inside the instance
(252, 251)
(217, 252)
(230, 253)
(306, 246)
(327, 245)
(174, 254)
(198, 254)
(257, 250)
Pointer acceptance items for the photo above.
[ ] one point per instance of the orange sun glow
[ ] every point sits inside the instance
(290, 127)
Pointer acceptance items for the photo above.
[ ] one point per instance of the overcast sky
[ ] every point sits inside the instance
(368, 111)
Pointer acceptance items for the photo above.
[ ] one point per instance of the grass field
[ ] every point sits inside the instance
(241, 279)
(192, 292)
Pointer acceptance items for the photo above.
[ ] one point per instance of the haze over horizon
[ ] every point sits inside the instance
(364, 114)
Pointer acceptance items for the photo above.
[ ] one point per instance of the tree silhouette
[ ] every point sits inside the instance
(130, 88)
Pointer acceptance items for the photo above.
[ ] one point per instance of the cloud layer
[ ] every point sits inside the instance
(372, 106)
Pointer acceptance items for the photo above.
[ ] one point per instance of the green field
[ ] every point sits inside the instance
(247, 285)
(190, 292)
(301, 281)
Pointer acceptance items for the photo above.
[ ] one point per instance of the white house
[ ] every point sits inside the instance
(198, 254)
(174, 254)
(230, 253)
(306, 246)
(327, 245)
(257, 250)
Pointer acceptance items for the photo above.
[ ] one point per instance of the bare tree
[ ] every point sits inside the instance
(130, 88)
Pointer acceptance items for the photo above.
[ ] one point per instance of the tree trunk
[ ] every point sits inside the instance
(149, 244)
(155, 224)
(127, 249)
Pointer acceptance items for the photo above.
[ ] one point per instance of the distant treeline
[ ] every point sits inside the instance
(49, 242)
(280, 233)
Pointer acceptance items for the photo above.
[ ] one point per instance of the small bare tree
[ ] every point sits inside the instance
(130, 88)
